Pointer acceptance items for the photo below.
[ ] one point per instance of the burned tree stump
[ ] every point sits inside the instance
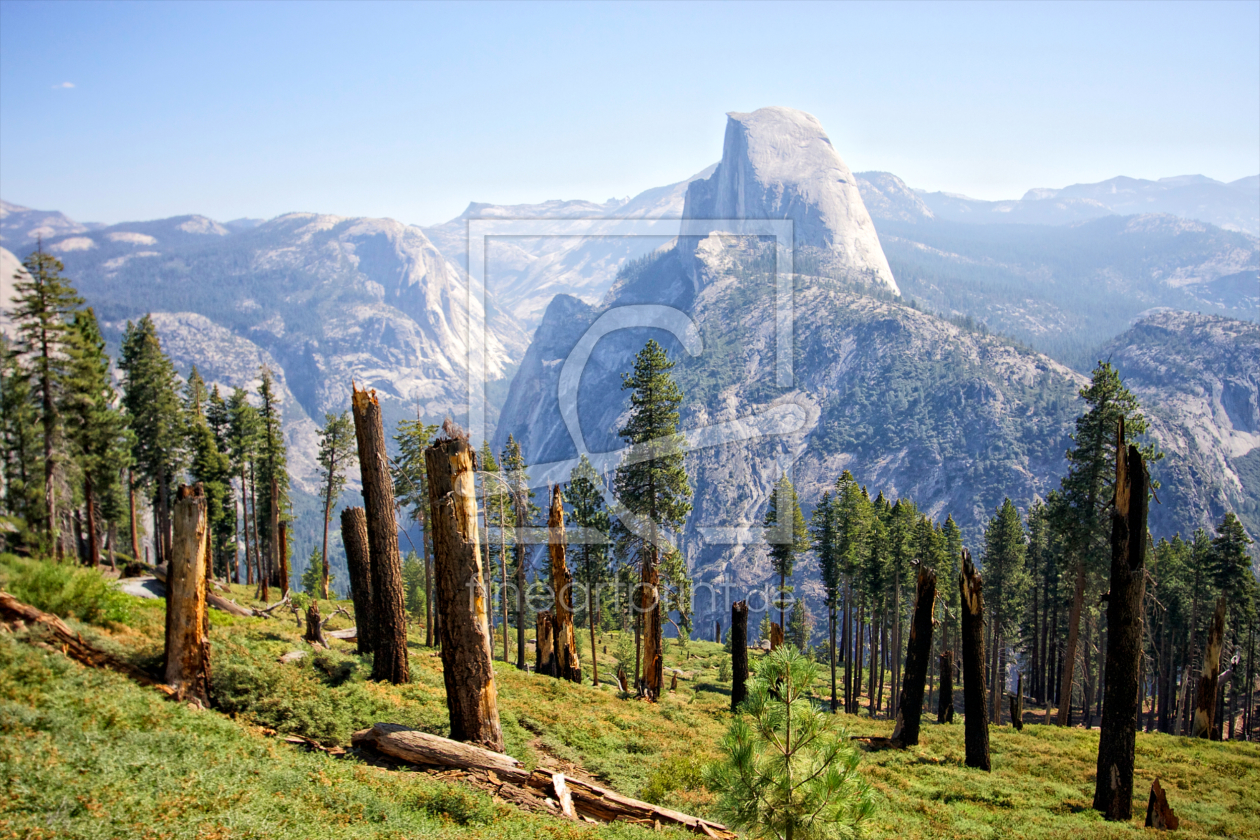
(389, 662)
(354, 536)
(1017, 704)
(567, 666)
(187, 629)
(1159, 814)
(918, 653)
(544, 644)
(975, 707)
(945, 696)
(464, 629)
(314, 628)
(1113, 786)
(776, 636)
(739, 653)
(1205, 705)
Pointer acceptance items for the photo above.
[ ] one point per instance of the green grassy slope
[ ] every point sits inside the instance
(87, 754)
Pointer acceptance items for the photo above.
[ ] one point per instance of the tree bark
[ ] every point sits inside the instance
(1159, 814)
(568, 667)
(776, 635)
(354, 536)
(945, 697)
(332, 472)
(187, 637)
(653, 647)
(1017, 703)
(1069, 656)
(467, 655)
(89, 514)
(976, 735)
(1205, 706)
(283, 543)
(739, 653)
(389, 661)
(918, 653)
(544, 644)
(131, 505)
(1113, 786)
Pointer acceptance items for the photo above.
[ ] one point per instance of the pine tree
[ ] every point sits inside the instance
(94, 427)
(242, 435)
(787, 535)
(273, 472)
(44, 303)
(338, 449)
(676, 592)
(516, 482)
(826, 544)
(800, 626)
(1005, 587)
(592, 524)
(411, 493)
(20, 436)
(152, 405)
(209, 466)
(651, 484)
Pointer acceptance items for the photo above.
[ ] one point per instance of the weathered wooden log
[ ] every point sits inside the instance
(1205, 704)
(314, 627)
(568, 667)
(589, 800)
(918, 654)
(776, 636)
(1113, 785)
(976, 734)
(945, 697)
(350, 634)
(544, 644)
(464, 629)
(354, 537)
(1159, 814)
(653, 640)
(389, 639)
(187, 626)
(66, 641)
(739, 653)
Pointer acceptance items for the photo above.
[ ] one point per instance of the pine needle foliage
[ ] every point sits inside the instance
(788, 770)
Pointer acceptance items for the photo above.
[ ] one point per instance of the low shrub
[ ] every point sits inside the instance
(68, 591)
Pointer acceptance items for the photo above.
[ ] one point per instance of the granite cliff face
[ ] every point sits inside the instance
(778, 163)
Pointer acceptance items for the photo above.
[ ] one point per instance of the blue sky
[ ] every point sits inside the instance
(413, 110)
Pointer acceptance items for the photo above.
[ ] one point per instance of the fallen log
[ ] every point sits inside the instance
(350, 634)
(70, 643)
(588, 800)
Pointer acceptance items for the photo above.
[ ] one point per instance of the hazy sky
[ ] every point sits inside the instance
(119, 111)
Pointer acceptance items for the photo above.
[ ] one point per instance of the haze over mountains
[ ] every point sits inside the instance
(912, 403)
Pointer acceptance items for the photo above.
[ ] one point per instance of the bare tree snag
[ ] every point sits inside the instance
(976, 734)
(284, 558)
(1205, 705)
(187, 639)
(1159, 814)
(918, 654)
(568, 667)
(945, 697)
(776, 636)
(70, 643)
(354, 537)
(464, 629)
(739, 653)
(1113, 786)
(544, 644)
(273, 546)
(389, 642)
(314, 628)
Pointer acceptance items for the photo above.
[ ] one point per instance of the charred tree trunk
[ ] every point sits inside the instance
(314, 629)
(918, 652)
(388, 604)
(467, 656)
(1113, 786)
(1069, 655)
(567, 665)
(739, 653)
(187, 636)
(354, 536)
(1017, 703)
(977, 718)
(1205, 705)
(945, 697)
(544, 644)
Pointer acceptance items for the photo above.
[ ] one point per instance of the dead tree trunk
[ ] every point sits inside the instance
(467, 666)
(653, 641)
(284, 559)
(389, 662)
(1113, 786)
(739, 653)
(1205, 706)
(977, 717)
(187, 637)
(776, 636)
(918, 653)
(1159, 814)
(314, 629)
(945, 697)
(354, 536)
(1069, 656)
(567, 665)
(1017, 703)
(544, 644)
(273, 546)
